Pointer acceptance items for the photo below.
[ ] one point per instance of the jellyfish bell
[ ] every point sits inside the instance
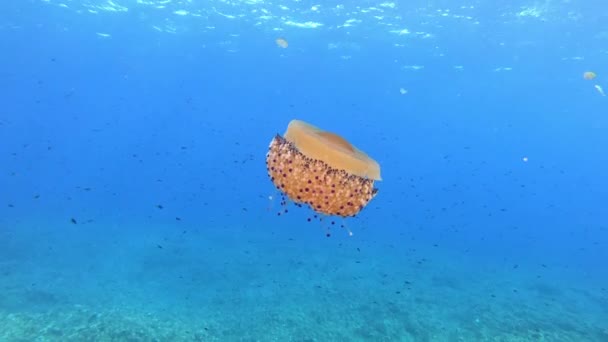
(322, 170)
(331, 149)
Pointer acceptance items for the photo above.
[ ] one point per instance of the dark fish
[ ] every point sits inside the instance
(73, 220)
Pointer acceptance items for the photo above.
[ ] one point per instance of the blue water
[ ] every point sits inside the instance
(135, 204)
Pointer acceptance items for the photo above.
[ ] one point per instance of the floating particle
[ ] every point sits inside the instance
(282, 43)
(589, 75)
(600, 90)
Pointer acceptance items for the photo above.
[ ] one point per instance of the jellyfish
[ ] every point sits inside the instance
(322, 170)
(589, 75)
(282, 42)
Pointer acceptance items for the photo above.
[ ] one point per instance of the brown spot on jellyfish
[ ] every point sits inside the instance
(322, 170)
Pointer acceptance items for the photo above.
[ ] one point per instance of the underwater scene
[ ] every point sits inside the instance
(307, 171)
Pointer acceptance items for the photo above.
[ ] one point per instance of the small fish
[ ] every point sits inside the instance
(159, 206)
(73, 220)
(600, 90)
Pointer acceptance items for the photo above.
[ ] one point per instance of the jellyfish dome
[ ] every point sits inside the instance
(321, 169)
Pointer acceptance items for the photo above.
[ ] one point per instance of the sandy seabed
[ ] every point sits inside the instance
(159, 285)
